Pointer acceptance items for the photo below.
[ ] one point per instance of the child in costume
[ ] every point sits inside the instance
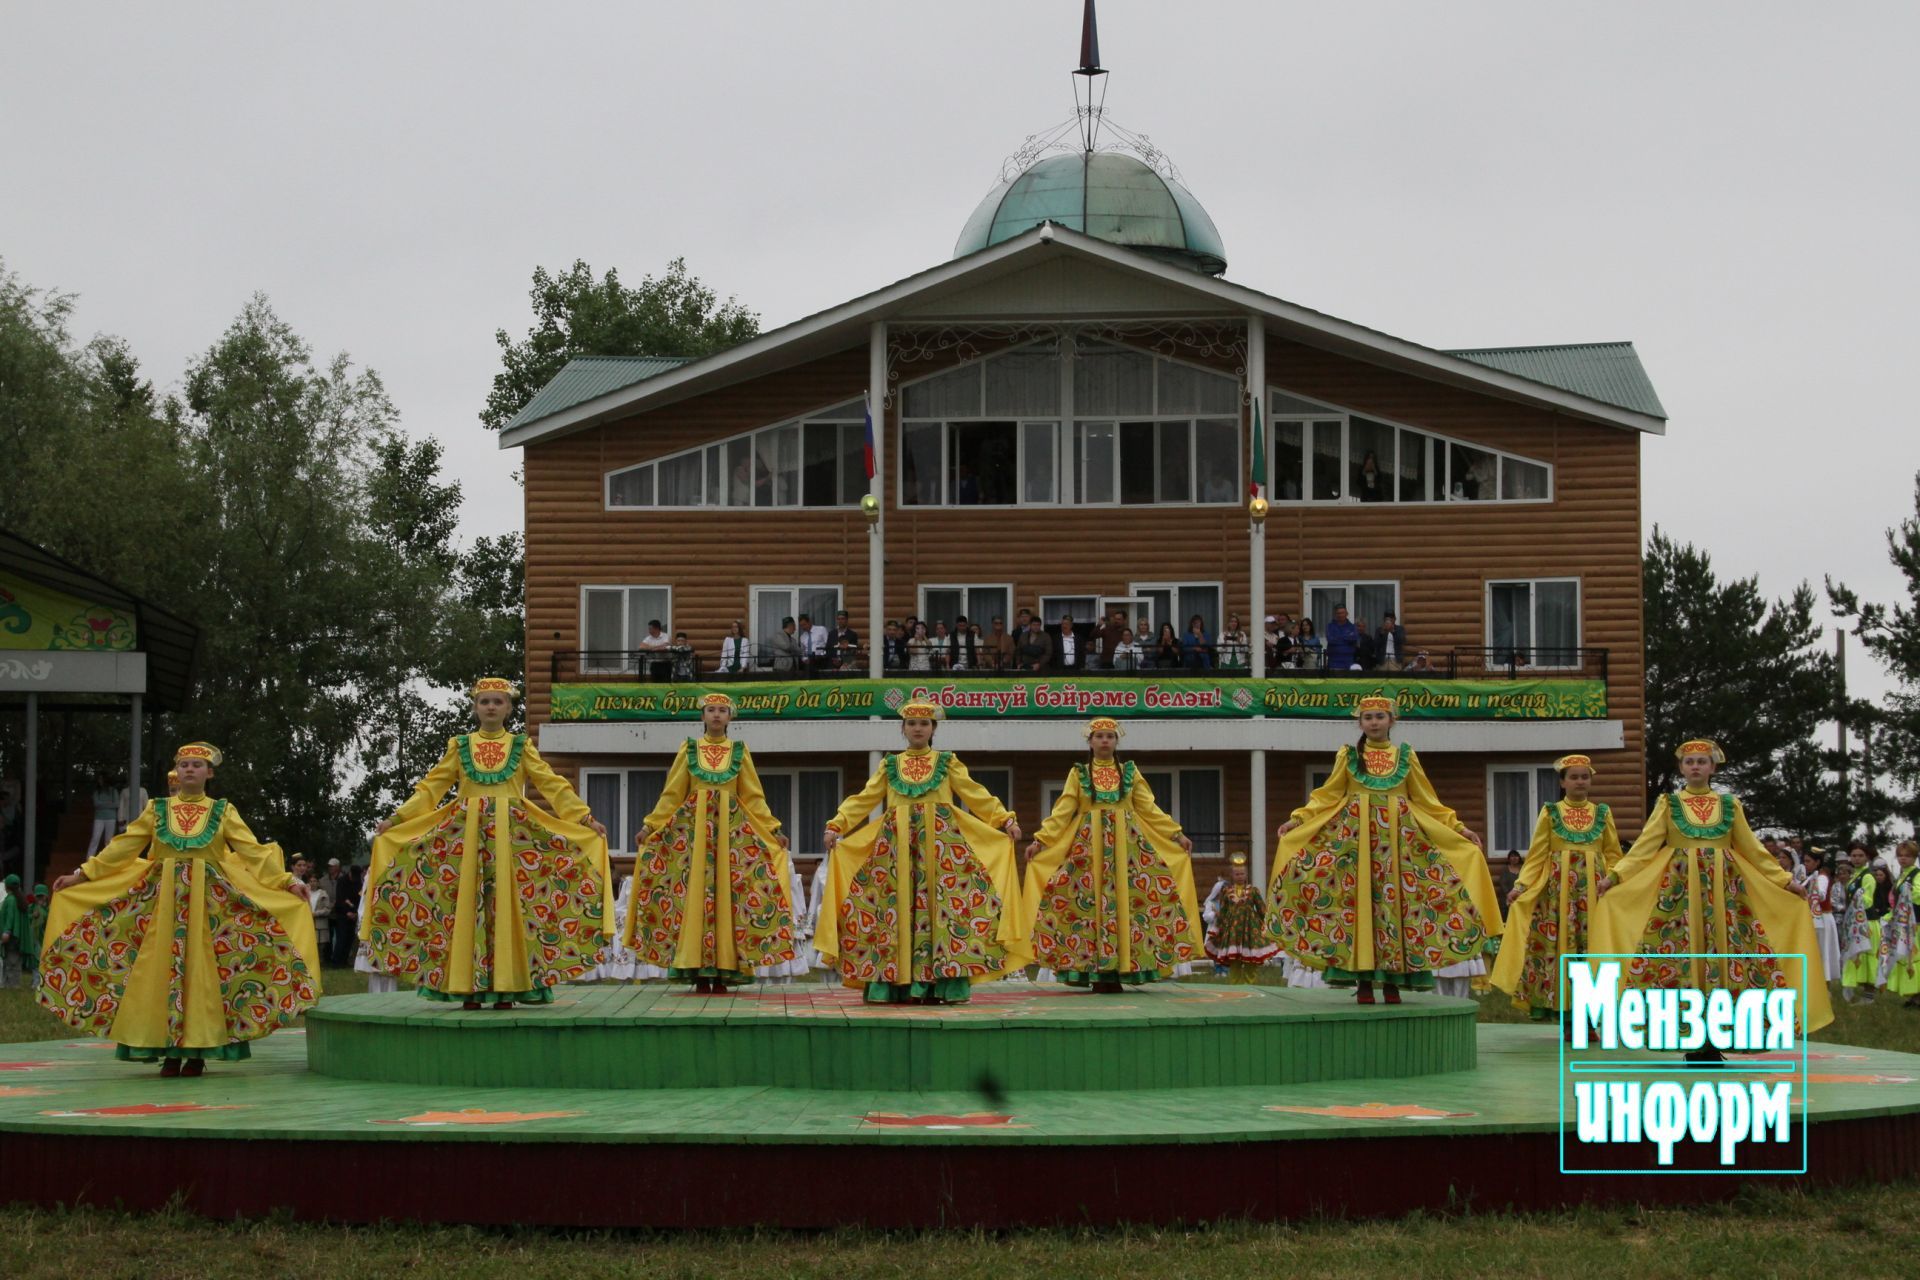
(1375, 880)
(1817, 884)
(926, 902)
(1238, 936)
(1899, 960)
(783, 972)
(486, 900)
(1109, 880)
(712, 892)
(14, 906)
(1699, 881)
(1551, 905)
(185, 955)
(1860, 925)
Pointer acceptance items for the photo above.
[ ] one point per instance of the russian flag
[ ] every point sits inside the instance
(869, 435)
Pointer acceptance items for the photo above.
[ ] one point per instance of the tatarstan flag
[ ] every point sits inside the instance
(1257, 477)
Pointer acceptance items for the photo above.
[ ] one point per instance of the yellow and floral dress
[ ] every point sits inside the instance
(1111, 890)
(1377, 883)
(488, 898)
(1239, 937)
(711, 888)
(1698, 883)
(925, 902)
(190, 951)
(1899, 963)
(1574, 845)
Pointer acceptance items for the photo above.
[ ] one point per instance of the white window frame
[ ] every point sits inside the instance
(1435, 458)
(620, 772)
(1173, 591)
(790, 775)
(1351, 585)
(625, 667)
(978, 772)
(1170, 804)
(1533, 620)
(1494, 850)
(1050, 617)
(966, 590)
(794, 591)
(800, 421)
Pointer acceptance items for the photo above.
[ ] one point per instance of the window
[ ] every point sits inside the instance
(612, 621)
(1325, 454)
(803, 800)
(998, 781)
(1535, 623)
(1514, 796)
(771, 604)
(1176, 602)
(990, 433)
(817, 460)
(621, 799)
(981, 604)
(1193, 798)
(1083, 609)
(1365, 602)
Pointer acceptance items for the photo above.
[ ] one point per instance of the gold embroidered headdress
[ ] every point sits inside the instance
(1565, 763)
(1700, 747)
(1104, 724)
(495, 684)
(921, 709)
(1376, 702)
(199, 751)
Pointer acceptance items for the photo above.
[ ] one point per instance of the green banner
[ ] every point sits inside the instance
(1179, 696)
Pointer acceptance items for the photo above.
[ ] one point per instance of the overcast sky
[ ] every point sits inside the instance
(1732, 186)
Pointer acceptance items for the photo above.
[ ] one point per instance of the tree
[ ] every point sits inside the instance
(1891, 633)
(1724, 663)
(575, 314)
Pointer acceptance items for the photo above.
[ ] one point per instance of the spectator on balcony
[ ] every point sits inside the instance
(1166, 650)
(1418, 665)
(997, 648)
(942, 651)
(683, 654)
(1309, 652)
(1279, 644)
(1363, 651)
(813, 642)
(1070, 651)
(1126, 654)
(893, 648)
(1196, 650)
(1236, 650)
(1343, 641)
(653, 656)
(844, 642)
(963, 650)
(1390, 644)
(1373, 483)
(1022, 621)
(736, 652)
(1035, 651)
(919, 649)
(783, 651)
(1106, 637)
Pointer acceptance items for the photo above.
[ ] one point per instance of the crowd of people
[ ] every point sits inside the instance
(1116, 642)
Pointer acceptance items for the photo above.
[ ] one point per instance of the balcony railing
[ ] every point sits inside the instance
(687, 666)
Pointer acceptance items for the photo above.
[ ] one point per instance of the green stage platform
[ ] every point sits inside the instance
(814, 1036)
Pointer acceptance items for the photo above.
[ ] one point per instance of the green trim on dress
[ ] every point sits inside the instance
(1590, 835)
(1085, 978)
(1402, 767)
(539, 995)
(1694, 831)
(187, 844)
(951, 990)
(494, 777)
(714, 777)
(1127, 774)
(914, 790)
(707, 973)
(1418, 981)
(236, 1052)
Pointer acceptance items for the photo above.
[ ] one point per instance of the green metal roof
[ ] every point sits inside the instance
(1609, 372)
(1105, 194)
(588, 377)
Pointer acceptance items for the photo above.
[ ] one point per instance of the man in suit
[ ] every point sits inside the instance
(783, 651)
(1069, 650)
(1390, 644)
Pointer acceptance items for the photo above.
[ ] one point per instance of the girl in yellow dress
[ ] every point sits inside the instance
(1899, 957)
(485, 899)
(711, 889)
(1109, 881)
(1375, 880)
(1551, 905)
(926, 902)
(184, 955)
(1698, 881)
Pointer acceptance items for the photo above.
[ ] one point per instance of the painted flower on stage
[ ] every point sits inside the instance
(970, 1120)
(477, 1115)
(1378, 1111)
(21, 1091)
(140, 1109)
(23, 1066)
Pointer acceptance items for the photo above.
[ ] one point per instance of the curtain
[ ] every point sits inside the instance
(1184, 389)
(680, 481)
(1200, 808)
(1112, 380)
(1556, 607)
(1038, 451)
(819, 800)
(1513, 811)
(1023, 384)
(953, 394)
(602, 794)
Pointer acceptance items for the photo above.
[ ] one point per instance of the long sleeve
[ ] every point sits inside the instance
(559, 792)
(753, 796)
(123, 848)
(980, 802)
(1610, 853)
(1653, 839)
(855, 808)
(437, 783)
(1065, 810)
(266, 862)
(1148, 808)
(1746, 842)
(1539, 860)
(1328, 794)
(673, 794)
(1420, 791)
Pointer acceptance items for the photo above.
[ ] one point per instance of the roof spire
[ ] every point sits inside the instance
(1093, 73)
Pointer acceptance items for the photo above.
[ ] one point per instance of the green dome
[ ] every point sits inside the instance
(1105, 194)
